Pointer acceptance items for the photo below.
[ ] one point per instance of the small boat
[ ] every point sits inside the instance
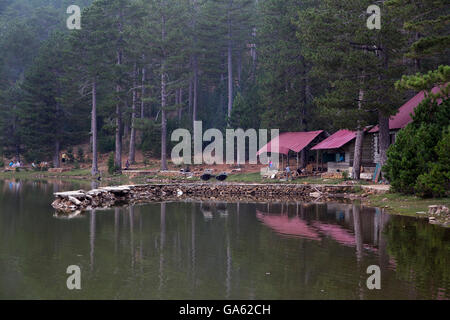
(222, 177)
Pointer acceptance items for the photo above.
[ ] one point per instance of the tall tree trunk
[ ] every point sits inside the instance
(357, 158)
(180, 104)
(383, 119)
(118, 146)
(163, 105)
(239, 68)
(303, 162)
(143, 91)
(253, 53)
(306, 95)
(94, 170)
(195, 89)
(383, 136)
(230, 69)
(132, 153)
(56, 162)
(118, 136)
(190, 96)
(118, 133)
(14, 134)
(221, 96)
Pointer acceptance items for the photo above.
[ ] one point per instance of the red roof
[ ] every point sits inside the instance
(403, 116)
(295, 141)
(336, 140)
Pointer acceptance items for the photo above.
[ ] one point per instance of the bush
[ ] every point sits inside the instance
(151, 140)
(418, 162)
(80, 154)
(2, 163)
(106, 144)
(76, 165)
(70, 154)
(112, 168)
(345, 175)
(436, 183)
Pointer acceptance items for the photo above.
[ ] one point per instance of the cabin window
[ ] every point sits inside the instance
(392, 137)
(340, 157)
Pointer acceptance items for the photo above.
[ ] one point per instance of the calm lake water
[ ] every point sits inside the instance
(192, 250)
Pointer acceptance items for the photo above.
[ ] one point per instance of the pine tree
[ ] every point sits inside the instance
(48, 120)
(353, 61)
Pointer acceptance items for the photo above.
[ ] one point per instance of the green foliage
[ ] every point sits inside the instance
(289, 71)
(356, 66)
(285, 85)
(244, 114)
(111, 166)
(418, 162)
(427, 23)
(345, 175)
(70, 154)
(80, 154)
(151, 139)
(436, 182)
(105, 144)
(427, 81)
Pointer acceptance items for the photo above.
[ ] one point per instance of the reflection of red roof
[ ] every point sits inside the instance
(336, 140)
(284, 225)
(403, 116)
(295, 141)
(337, 233)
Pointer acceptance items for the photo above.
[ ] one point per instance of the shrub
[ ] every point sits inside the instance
(345, 175)
(80, 154)
(105, 144)
(112, 168)
(418, 162)
(70, 154)
(436, 183)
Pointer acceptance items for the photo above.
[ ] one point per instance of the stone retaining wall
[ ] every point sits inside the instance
(115, 196)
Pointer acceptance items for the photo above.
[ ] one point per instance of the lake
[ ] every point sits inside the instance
(214, 250)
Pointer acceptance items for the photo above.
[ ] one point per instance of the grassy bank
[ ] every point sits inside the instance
(76, 174)
(395, 203)
(403, 204)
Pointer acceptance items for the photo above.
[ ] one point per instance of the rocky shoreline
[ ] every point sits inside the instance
(107, 197)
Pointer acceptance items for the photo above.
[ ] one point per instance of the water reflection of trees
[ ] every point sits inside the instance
(171, 251)
(421, 251)
(297, 250)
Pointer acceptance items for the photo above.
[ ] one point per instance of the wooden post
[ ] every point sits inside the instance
(317, 160)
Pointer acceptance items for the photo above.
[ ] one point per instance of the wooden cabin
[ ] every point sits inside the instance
(338, 150)
(398, 122)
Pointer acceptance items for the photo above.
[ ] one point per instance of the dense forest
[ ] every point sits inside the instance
(138, 69)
